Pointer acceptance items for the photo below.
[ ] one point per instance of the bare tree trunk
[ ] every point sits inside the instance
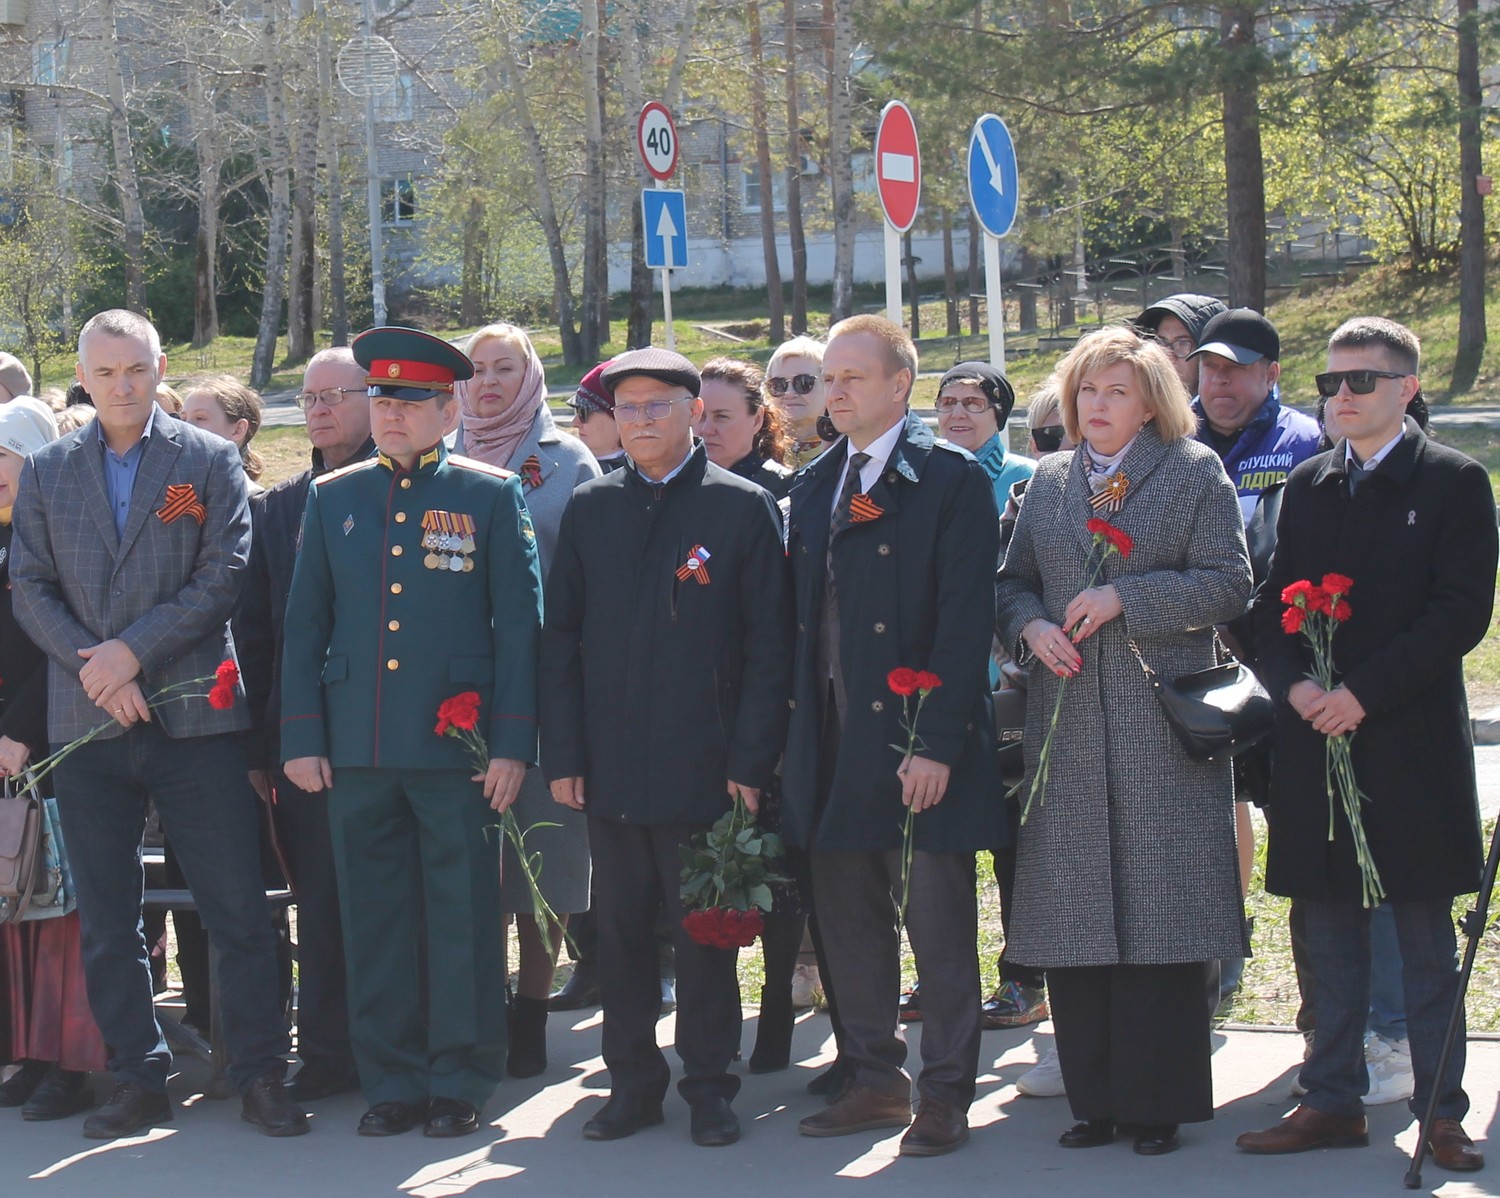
(338, 291)
(840, 158)
(775, 303)
(795, 232)
(1244, 168)
(950, 277)
(127, 181)
(301, 311)
(279, 162)
(575, 352)
(1026, 296)
(471, 278)
(638, 314)
(1471, 264)
(909, 260)
(206, 241)
(595, 257)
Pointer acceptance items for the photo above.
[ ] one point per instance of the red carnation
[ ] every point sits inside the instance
(1317, 600)
(1341, 611)
(1117, 538)
(1297, 593)
(927, 681)
(461, 712)
(228, 674)
(221, 696)
(1292, 619)
(1337, 584)
(903, 681)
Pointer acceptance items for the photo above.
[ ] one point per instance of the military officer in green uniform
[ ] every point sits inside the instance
(417, 581)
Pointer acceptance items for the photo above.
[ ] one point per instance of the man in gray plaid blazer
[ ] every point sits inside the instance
(131, 539)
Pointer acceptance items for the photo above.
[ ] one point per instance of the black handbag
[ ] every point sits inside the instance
(1009, 704)
(1216, 712)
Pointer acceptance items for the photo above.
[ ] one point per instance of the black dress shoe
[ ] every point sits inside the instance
(832, 1082)
(268, 1109)
(450, 1117)
(129, 1109)
(320, 1080)
(1091, 1133)
(23, 1083)
(62, 1094)
(391, 1118)
(579, 991)
(714, 1125)
(1157, 1139)
(621, 1117)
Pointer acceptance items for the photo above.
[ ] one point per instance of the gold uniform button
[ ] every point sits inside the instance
(395, 588)
(393, 664)
(395, 550)
(394, 625)
(400, 517)
(405, 484)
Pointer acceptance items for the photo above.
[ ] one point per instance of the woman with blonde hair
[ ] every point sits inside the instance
(1125, 872)
(222, 404)
(507, 423)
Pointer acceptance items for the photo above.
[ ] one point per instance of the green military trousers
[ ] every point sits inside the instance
(416, 869)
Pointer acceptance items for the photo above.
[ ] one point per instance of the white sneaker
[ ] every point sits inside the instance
(807, 987)
(1389, 1065)
(1045, 1080)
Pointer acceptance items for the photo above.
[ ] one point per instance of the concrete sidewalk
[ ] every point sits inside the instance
(535, 1146)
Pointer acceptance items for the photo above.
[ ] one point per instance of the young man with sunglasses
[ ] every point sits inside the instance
(1413, 524)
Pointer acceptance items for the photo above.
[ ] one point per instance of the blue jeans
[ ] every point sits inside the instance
(1387, 1000)
(1338, 945)
(202, 792)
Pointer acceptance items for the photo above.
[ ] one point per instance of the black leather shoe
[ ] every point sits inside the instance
(579, 991)
(267, 1107)
(621, 1117)
(1091, 1133)
(714, 1124)
(23, 1083)
(450, 1117)
(390, 1118)
(62, 1094)
(320, 1080)
(129, 1109)
(1157, 1140)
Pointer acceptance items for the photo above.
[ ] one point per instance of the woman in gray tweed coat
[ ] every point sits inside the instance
(1125, 878)
(506, 422)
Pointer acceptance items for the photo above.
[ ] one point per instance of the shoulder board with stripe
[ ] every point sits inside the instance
(342, 471)
(463, 463)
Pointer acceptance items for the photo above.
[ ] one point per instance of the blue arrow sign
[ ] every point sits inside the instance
(665, 214)
(993, 186)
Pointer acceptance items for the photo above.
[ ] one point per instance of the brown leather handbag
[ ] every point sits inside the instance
(21, 853)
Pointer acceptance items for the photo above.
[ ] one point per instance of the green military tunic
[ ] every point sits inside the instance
(412, 587)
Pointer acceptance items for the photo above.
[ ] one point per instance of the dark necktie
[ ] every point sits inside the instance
(828, 639)
(1356, 474)
(842, 509)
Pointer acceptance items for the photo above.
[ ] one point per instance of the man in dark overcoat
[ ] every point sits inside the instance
(338, 425)
(416, 581)
(893, 539)
(1412, 523)
(664, 695)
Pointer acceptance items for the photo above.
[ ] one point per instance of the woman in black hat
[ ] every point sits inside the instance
(973, 403)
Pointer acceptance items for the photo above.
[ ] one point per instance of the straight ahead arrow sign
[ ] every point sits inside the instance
(666, 229)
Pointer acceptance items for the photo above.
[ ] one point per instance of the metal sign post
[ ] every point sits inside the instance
(993, 193)
(656, 139)
(898, 178)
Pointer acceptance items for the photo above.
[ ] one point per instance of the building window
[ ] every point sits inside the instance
(399, 103)
(49, 61)
(750, 200)
(398, 201)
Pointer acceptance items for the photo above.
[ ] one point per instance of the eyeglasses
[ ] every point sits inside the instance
(1361, 382)
(1178, 347)
(1048, 437)
(802, 384)
(331, 397)
(971, 403)
(656, 409)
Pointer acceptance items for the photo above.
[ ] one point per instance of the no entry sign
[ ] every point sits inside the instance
(898, 166)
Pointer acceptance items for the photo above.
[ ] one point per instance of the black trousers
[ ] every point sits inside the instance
(637, 872)
(1005, 880)
(1133, 1042)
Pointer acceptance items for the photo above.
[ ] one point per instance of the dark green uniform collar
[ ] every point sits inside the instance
(427, 461)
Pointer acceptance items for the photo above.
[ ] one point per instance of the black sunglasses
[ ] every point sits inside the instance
(1048, 437)
(802, 384)
(1361, 382)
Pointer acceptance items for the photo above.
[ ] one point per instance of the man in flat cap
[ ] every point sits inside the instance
(665, 675)
(417, 581)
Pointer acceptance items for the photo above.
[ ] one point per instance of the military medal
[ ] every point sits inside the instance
(696, 566)
(1110, 497)
(449, 539)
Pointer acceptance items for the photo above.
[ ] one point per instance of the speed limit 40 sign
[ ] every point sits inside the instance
(656, 136)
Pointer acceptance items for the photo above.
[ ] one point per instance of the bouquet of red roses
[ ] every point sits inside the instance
(906, 683)
(727, 873)
(1317, 612)
(458, 717)
(1107, 540)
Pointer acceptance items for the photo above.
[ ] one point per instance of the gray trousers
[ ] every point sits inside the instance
(856, 897)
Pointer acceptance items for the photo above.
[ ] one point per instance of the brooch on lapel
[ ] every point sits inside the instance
(531, 472)
(696, 566)
(182, 500)
(448, 538)
(1110, 497)
(863, 509)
